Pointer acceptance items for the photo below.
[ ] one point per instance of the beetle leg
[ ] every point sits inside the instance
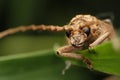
(99, 40)
(66, 51)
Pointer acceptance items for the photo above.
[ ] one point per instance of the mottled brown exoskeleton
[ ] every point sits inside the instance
(82, 32)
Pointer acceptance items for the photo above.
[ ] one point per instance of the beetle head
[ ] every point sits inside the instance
(79, 29)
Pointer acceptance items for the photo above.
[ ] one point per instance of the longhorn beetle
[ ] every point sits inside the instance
(82, 32)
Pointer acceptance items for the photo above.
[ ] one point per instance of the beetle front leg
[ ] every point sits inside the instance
(66, 51)
(99, 40)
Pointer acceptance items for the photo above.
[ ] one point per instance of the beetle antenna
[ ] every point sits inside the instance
(33, 28)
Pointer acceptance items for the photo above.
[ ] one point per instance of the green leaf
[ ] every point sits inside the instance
(45, 65)
(105, 58)
(36, 64)
(39, 65)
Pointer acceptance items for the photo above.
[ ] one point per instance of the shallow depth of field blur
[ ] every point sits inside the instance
(15, 13)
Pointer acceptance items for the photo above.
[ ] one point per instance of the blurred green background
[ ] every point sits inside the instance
(14, 13)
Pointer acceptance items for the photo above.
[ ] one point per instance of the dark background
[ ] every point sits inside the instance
(55, 12)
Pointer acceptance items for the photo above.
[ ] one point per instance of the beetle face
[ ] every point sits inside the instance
(80, 30)
(78, 38)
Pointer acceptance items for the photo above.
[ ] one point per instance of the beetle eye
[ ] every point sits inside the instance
(87, 30)
(67, 34)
